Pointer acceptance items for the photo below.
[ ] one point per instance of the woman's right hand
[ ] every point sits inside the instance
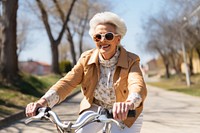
(32, 107)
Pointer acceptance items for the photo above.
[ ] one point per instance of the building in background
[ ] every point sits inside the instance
(34, 67)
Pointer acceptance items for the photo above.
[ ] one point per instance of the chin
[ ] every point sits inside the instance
(103, 51)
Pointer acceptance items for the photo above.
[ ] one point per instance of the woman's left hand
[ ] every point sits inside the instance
(120, 110)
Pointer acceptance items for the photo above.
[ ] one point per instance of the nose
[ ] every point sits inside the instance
(103, 38)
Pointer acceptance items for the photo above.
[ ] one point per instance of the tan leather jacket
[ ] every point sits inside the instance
(127, 79)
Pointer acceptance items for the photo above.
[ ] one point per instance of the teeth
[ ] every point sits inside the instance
(105, 46)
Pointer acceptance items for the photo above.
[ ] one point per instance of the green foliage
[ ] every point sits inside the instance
(65, 66)
(49, 80)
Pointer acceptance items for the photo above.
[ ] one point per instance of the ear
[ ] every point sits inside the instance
(119, 39)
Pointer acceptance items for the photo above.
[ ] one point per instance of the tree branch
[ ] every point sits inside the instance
(45, 20)
(62, 17)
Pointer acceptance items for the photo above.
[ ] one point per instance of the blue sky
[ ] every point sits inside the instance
(132, 11)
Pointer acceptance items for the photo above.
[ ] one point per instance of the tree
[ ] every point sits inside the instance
(54, 42)
(8, 44)
(160, 39)
(78, 23)
(58, 13)
(163, 34)
(188, 11)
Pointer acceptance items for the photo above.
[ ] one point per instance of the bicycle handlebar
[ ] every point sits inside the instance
(103, 115)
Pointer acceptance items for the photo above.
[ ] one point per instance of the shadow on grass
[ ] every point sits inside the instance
(10, 105)
(21, 88)
(27, 84)
(30, 85)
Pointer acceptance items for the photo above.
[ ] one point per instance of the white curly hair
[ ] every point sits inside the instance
(108, 17)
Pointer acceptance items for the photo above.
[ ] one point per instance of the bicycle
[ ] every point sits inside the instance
(102, 115)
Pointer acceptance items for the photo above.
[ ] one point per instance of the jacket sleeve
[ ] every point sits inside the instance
(136, 85)
(70, 81)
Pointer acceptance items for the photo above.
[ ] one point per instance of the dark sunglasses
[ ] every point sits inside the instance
(108, 36)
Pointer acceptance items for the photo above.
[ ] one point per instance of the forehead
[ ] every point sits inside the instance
(102, 28)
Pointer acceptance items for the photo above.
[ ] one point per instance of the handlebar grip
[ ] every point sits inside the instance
(131, 113)
(42, 109)
(109, 113)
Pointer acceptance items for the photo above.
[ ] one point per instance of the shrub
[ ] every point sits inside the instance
(65, 66)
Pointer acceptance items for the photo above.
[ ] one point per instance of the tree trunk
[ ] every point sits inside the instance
(71, 42)
(55, 67)
(82, 33)
(165, 61)
(54, 42)
(190, 62)
(198, 51)
(8, 57)
(167, 74)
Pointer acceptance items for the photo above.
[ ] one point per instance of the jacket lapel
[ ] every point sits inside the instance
(123, 58)
(95, 60)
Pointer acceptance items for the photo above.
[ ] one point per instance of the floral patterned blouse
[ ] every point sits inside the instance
(104, 92)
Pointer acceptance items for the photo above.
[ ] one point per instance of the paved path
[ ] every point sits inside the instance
(164, 112)
(171, 112)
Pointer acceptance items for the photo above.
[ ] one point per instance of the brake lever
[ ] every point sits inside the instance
(41, 113)
(105, 119)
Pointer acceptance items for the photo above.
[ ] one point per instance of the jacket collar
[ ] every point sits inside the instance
(123, 58)
(94, 57)
(122, 61)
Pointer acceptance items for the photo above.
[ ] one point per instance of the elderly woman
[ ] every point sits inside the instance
(109, 75)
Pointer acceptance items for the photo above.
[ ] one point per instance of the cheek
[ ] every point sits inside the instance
(116, 42)
(97, 45)
(114, 45)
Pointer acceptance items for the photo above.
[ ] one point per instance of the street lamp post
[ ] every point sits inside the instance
(184, 58)
(187, 74)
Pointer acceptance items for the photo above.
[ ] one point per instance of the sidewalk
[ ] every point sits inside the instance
(170, 112)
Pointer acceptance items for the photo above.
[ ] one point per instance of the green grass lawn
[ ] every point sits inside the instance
(178, 84)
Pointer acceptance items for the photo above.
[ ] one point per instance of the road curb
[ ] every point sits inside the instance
(21, 114)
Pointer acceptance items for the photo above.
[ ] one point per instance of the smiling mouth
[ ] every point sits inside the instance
(104, 46)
